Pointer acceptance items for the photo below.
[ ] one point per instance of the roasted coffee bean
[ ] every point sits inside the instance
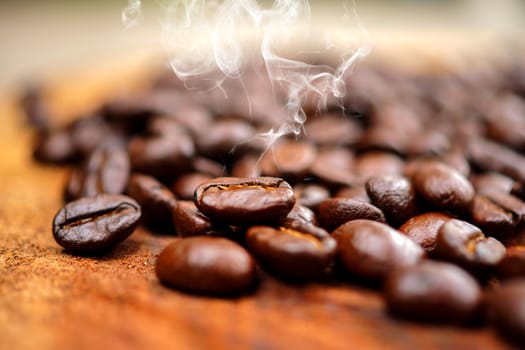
(429, 143)
(93, 225)
(384, 138)
(105, 171)
(464, 244)
(247, 166)
(223, 137)
(300, 252)
(372, 163)
(513, 263)
(423, 229)
(184, 187)
(357, 192)
(371, 249)
(508, 202)
(189, 221)
(88, 133)
(433, 292)
(207, 166)
(492, 182)
(333, 129)
(164, 152)
(300, 213)
(54, 146)
(156, 200)
(506, 310)
(492, 218)
(505, 122)
(245, 201)
(288, 159)
(443, 187)
(35, 107)
(334, 212)
(394, 195)
(310, 195)
(334, 167)
(208, 265)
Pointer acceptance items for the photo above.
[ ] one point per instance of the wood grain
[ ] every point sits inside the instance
(52, 300)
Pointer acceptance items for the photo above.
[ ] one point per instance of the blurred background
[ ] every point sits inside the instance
(40, 39)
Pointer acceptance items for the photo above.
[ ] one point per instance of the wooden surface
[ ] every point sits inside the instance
(53, 300)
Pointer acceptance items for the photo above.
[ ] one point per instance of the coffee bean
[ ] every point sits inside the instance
(88, 133)
(208, 265)
(311, 195)
(357, 192)
(300, 252)
(288, 159)
(492, 218)
(54, 146)
(105, 171)
(155, 199)
(423, 229)
(505, 122)
(334, 212)
(185, 185)
(245, 201)
(334, 167)
(189, 221)
(509, 203)
(207, 166)
(492, 182)
(394, 195)
(35, 107)
(332, 129)
(433, 292)
(513, 263)
(372, 163)
(223, 137)
(302, 214)
(506, 310)
(93, 225)
(371, 249)
(443, 187)
(464, 244)
(246, 166)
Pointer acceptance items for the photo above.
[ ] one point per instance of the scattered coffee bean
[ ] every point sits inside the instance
(423, 229)
(334, 212)
(433, 292)
(372, 249)
(93, 225)
(209, 265)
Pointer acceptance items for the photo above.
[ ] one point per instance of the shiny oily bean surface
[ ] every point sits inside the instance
(372, 249)
(208, 265)
(189, 221)
(93, 225)
(464, 244)
(492, 218)
(334, 212)
(423, 229)
(299, 252)
(506, 309)
(443, 187)
(433, 292)
(245, 201)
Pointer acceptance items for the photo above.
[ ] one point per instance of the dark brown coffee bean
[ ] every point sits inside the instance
(208, 265)
(372, 249)
(443, 187)
(184, 187)
(506, 310)
(105, 171)
(433, 292)
(429, 142)
(372, 163)
(394, 195)
(95, 224)
(189, 221)
(513, 263)
(300, 213)
(245, 201)
(334, 212)
(490, 156)
(288, 159)
(310, 195)
(492, 218)
(54, 146)
(423, 229)
(301, 252)
(464, 244)
(509, 203)
(164, 152)
(247, 166)
(156, 200)
(90, 132)
(224, 137)
(334, 167)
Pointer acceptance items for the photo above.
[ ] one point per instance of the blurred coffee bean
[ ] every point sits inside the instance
(357, 192)
(334, 212)
(334, 167)
(224, 137)
(246, 166)
(35, 107)
(505, 122)
(513, 263)
(375, 163)
(54, 146)
(288, 159)
(333, 129)
(310, 195)
(423, 229)
(185, 185)
(208, 166)
(506, 310)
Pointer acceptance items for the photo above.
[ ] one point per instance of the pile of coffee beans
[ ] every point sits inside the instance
(413, 182)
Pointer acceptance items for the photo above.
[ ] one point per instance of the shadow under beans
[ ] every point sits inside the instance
(127, 248)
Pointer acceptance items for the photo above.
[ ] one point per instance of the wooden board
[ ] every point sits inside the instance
(52, 300)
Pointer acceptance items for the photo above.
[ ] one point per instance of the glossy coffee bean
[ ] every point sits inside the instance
(506, 310)
(299, 252)
(513, 263)
(372, 249)
(93, 225)
(443, 187)
(334, 212)
(423, 229)
(301, 214)
(311, 195)
(185, 185)
(288, 159)
(105, 171)
(373, 163)
(155, 199)
(509, 203)
(334, 167)
(245, 201)
(189, 221)
(224, 137)
(394, 195)
(208, 265)
(247, 166)
(492, 218)
(492, 182)
(464, 244)
(433, 292)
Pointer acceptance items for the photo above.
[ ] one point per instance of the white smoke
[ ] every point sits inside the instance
(206, 40)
